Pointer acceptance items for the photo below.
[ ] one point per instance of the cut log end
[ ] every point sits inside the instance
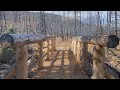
(6, 40)
(113, 41)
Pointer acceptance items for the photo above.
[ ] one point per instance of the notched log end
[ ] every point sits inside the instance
(113, 41)
(6, 40)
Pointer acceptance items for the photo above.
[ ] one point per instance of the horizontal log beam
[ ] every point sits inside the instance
(110, 41)
(9, 40)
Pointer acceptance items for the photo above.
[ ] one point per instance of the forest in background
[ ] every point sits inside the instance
(61, 25)
(53, 24)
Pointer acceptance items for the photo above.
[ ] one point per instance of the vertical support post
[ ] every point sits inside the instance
(78, 51)
(45, 43)
(72, 46)
(48, 49)
(74, 50)
(84, 50)
(40, 64)
(52, 46)
(98, 62)
(21, 62)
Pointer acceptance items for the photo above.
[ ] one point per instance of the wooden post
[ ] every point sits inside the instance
(45, 43)
(72, 46)
(21, 62)
(48, 49)
(84, 49)
(74, 50)
(98, 62)
(78, 51)
(52, 46)
(40, 64)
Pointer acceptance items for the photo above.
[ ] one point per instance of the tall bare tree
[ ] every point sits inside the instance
(116, 22)
(1, 22)
(5, 22)
(75, 23)
(90, 21)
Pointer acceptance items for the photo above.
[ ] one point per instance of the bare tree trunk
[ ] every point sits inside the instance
(26, 24)
(15, 21)
(64, 23)
(33, 23)
(80, 24)
(30, 25)
(1, 23)
(116, 22)
(98, 23)
(43, 21)
(19, 20)
(90, 18)
(75, 16)
(108, 21)
(61, 25)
